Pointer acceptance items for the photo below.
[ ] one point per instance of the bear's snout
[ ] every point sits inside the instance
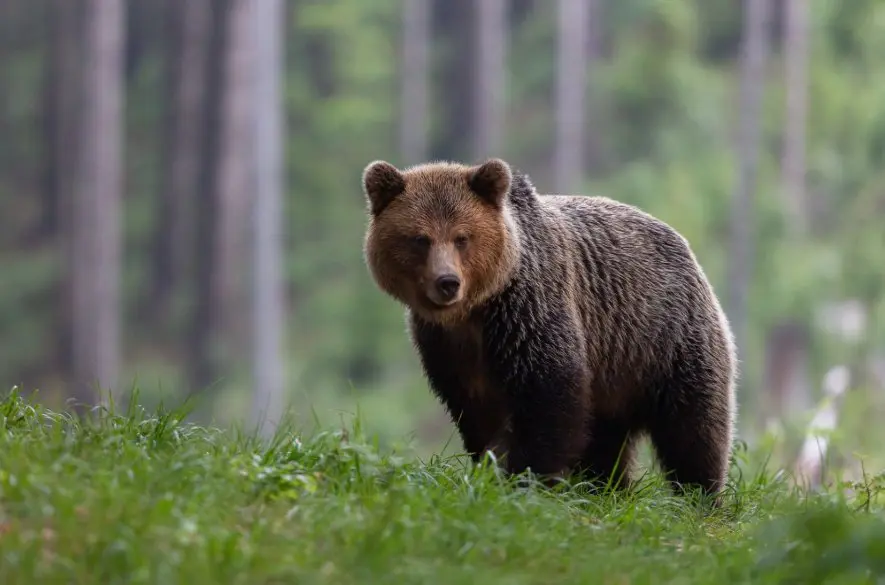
(447, 286)
(443, 284)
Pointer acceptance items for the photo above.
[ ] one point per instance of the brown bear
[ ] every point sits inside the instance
(555, 329)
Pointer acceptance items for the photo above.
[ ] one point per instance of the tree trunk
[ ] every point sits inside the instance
(236, 184)
(268, 293)
(786, 384)
(204, 362)
(571, 71)
(455, 82)
(62, 103)
(796, 86)
(221, 315)
(594, 154)
(187, 37)
(51, 106)
(753, 57)
(415, 79)
(489, 80)
(59, 109)
(788, 354)
(96, 240)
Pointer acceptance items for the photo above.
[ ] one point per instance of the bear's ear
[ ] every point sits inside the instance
(491, 180)
(382, 183)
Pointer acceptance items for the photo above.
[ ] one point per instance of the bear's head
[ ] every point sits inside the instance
(441, 238)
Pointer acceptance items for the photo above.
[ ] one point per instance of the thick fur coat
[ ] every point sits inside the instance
(555, 329)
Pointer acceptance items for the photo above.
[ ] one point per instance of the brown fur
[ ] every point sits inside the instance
(436, 203)
(580, 324)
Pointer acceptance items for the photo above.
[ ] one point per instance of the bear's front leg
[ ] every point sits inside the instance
(548, 421)
(499, 443)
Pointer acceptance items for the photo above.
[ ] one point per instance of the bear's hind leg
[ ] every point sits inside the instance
(608, 457)
(692, 436)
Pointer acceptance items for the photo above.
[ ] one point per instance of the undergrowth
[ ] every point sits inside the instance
(142, 497)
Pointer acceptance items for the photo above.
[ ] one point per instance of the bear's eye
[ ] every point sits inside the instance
(420, 241)
(461, 241)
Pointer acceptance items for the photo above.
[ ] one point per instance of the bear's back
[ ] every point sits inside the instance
(640, 293)
(622, 244)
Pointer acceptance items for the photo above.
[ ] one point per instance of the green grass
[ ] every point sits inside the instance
(147, 498)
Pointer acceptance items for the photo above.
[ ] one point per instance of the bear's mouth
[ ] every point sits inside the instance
(436, 303)
(440, 305)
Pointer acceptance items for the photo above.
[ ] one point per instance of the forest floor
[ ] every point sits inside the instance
(145, 498)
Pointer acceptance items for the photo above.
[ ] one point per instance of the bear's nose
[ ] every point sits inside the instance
(448, 285)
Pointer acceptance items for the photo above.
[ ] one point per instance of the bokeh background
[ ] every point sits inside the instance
(180, 203)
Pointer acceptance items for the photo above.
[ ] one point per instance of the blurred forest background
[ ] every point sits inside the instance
(180, 203)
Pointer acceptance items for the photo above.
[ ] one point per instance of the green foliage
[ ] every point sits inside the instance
(340, 118)
(825, 545)
(663, 111)
(148, 498)
(35, 278)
